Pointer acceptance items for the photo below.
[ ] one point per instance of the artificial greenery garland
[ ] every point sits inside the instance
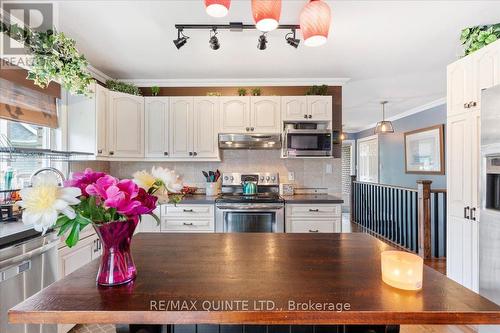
(475, 38)
(123, 87)
(55, 58)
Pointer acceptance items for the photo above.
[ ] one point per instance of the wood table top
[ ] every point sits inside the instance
(201, 270)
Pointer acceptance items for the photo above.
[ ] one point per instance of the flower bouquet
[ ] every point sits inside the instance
(162, 182)
(113, 207)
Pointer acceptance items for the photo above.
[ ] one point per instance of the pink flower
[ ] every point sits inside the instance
(84, 179)
(148, 203)
(100, 187)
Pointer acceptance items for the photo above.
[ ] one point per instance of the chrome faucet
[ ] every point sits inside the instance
(51, 169)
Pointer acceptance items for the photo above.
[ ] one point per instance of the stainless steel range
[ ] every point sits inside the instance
(261, 211)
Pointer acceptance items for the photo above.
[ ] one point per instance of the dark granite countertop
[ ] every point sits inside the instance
(197, 199)
(312, 198)
(15, 232)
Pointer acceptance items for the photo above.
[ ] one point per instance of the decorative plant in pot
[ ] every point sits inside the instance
(112, 206)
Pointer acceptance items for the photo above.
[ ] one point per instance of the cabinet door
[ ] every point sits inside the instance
(454, 251)
(265, 114)
(82, 122)
(101, 102)
(206, 127)
(470, 255)
(148, 223)
(235, 114)
(293, 108)
(126, 125)
(181, 113)
(475, 158)
(319, 108)
(70, 259)
(460, 86)
(486, 70)
(459, 164)
(156, 138)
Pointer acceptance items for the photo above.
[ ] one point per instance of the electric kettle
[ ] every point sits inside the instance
(249, 187)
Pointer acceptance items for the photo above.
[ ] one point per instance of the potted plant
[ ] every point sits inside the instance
(318, 90)
(256, 92)
(112, 206)
(155, 90)
(123, 87)
(242, 92)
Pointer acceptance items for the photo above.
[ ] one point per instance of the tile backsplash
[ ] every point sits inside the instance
(307, 172)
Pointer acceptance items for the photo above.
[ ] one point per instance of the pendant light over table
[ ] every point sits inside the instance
(217, 8)
(266, 14)
(384, 126)
(315, 20)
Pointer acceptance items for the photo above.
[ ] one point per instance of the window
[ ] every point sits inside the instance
(24, 136)
(368, 159)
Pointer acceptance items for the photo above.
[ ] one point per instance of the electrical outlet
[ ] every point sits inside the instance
(328, 169)
(291, 175)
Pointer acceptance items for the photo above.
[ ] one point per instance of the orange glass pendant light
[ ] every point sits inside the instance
(266, 14)
(315, 21)
(217, 8)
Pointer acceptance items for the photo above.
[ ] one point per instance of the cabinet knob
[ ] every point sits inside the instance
(186, 223)
(314, 210)
(310, 116)
(165, 153)
(111, 153)
(472, 104)
(190, 153)
(252, 129)
(248, 129)
(305, 116)
(99, 151)
(195, 154)
(466, 105)
(188, 210)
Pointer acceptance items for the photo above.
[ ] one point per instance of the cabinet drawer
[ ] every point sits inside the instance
(314, 210)
(313, 225)
(187, 225)
(188, 211)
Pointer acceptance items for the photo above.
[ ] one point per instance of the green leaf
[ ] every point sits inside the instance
(491, 38)
(74, 235)
(65, 227)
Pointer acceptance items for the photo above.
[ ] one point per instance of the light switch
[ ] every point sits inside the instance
(291, 175)
(328, 169)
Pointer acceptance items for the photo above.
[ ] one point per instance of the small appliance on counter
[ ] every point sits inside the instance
(250, 202)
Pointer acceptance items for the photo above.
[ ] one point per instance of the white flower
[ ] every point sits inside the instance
(172, 181)
(44, 202)
(144, 179)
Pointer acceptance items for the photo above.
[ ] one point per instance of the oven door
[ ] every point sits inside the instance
(308, 143)
(249, 217)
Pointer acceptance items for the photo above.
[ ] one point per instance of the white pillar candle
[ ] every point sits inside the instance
(402, 270)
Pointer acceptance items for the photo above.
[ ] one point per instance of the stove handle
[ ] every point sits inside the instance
(243, 208)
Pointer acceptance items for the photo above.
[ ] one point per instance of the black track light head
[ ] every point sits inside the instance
(262, 45)
(181, 39)
(291, 40)
(214, 41)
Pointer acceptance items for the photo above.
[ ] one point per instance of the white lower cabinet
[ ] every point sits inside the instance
(316, 218)
(71, 259)
(187, 218)
(149, 223)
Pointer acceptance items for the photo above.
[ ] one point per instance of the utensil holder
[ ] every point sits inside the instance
(212, 189)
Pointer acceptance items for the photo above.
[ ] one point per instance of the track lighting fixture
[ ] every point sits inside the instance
(262, 45)
(180, 41)
(291, 40)
(214, 41)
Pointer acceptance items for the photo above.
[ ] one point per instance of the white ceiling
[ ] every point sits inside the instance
(394, 50)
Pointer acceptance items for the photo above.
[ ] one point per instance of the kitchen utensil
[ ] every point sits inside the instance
(212, 189)
(249, 187)
(217, 175)
(211, 176)
(206, 175)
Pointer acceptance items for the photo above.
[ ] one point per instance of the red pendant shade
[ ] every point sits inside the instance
(315, 23)
(217, 8)
(266, 14)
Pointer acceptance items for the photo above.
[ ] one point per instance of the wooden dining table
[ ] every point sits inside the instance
(255, 279)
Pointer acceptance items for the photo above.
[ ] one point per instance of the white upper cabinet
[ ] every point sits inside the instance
(126, 130)
(265, 114)
(460, 86)
(206, 127)
(87, 122)
(181, 137)
(294, 108)
(157, 130)
(486, 64)
(319, 108)
(235, 114)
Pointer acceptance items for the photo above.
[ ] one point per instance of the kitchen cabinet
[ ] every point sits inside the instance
(265, 114)
(256, 114)
(157, 127)
(149, 223)
(313, 218)
(306, 108)
(187, 218)
(71, 259)
(126, 125)
(87, 121)
(467, 77)
(194, 127)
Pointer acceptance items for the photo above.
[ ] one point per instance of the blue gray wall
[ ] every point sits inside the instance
(391, 148)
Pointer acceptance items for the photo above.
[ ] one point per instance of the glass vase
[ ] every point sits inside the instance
(117, 266)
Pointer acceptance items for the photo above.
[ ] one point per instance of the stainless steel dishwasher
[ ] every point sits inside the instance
(25, 269)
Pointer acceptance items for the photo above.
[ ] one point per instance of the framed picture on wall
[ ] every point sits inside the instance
(424, 151)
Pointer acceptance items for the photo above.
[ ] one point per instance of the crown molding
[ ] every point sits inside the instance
(236, 82)
(401, 115)
(98, 75)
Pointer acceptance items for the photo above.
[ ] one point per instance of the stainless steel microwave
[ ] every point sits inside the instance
(307, 142)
